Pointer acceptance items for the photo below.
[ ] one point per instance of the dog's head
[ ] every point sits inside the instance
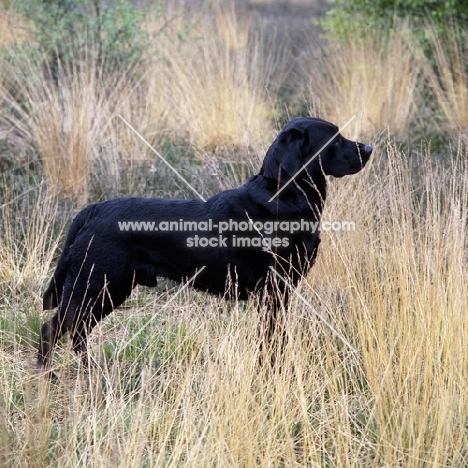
(312, 140)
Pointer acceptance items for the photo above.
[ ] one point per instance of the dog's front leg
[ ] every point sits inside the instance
(272, 326)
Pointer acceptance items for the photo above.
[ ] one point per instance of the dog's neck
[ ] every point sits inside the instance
(314, 190)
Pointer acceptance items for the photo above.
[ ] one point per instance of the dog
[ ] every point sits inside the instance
(228, 245)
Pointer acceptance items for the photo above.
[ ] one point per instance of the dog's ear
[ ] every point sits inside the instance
(287, 152)
(293, 143)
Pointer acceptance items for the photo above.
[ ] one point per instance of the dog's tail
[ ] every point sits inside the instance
(53, 293)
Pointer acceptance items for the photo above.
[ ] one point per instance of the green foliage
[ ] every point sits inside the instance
(355, 17)
(157, 342)
(19, 325)
(107, 32)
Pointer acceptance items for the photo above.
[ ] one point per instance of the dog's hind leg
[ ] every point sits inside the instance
(103, 303)
(87, 299)
(51, 331)
(70, 311)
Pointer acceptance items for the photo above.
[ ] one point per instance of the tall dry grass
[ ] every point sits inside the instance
(63, 119)
(219, 84)
(189, 390)
(31, 229)
(407, 290)
(374, 78)
(448, 77)
(214, 88)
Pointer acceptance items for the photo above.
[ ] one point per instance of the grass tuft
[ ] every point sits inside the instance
(448, 76)
(358, 78)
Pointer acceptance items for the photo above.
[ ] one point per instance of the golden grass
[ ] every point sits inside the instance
(30, 234)
(234, 25)
(373, 78)
(64, 121)
(396, 288)
(217, 83)
(409, 290)
(199, 90)
(448, 80)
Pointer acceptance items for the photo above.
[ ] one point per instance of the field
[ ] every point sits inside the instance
(177, 382)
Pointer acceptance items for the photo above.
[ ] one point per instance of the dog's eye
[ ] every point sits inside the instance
(337, 141)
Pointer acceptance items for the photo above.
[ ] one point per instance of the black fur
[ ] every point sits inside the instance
(100, 264)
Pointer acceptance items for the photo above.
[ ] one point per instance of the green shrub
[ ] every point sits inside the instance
(355, 17)
(108, 33)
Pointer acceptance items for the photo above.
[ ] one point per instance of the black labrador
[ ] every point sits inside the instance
(237, 236)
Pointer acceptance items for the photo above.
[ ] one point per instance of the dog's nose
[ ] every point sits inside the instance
(368, 149)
